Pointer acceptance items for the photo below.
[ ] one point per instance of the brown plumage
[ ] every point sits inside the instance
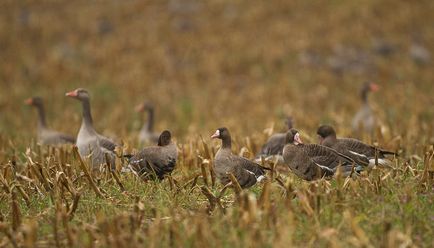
(312, 161)
(364, 119)
(47, 136)
(360, 152)
(245, 171)
(89, 142)
(156, 161)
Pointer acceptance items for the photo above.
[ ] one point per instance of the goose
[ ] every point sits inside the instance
(155, 161)
(245, 171)
(89, 142)
(147, 134)
(383, 47)
(419, 53)
(47, 136)
(364, 119)
(360, 152)
(273, 148)
(312, 161)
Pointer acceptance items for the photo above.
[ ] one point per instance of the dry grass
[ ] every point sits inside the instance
(243, 65)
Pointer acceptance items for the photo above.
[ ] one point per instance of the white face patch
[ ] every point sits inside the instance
(216, 134)
(297, 139)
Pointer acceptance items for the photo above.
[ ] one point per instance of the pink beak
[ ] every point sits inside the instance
(297, 139)
(28, 101)
(374, 87)
(139, 108)
(72, 93)
(215, 135)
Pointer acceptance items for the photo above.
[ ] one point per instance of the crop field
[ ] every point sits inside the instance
(244, 65)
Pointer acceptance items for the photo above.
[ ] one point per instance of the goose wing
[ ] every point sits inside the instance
(325, 156)
(246, 171)
(151, 162)
(303, 165)
(359, 147)
(106, 143)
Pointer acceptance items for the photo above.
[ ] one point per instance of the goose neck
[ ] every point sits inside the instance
(364, 95)
(226, 142)
(150, 121)
(87, 116)
(41, 116)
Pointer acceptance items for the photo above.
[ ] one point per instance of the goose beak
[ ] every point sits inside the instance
(297, 139)
(374, 87)
(139, 108)
(28, 101)
(215, 135)
(73, 93)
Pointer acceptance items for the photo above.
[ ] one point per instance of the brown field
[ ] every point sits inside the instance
(206, 64)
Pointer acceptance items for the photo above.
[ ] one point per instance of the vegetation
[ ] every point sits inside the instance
(240, 64)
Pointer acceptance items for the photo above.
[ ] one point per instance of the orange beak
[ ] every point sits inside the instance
(374, 87)
(28, 101)
(73, 93)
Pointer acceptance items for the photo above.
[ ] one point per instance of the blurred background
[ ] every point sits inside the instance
(206, 64)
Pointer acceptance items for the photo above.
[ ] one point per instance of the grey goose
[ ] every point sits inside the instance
(245, 171)
(89, 142)
(360, 152)
(147, 134)
(364, 120)
(155, 161)
(273, 148)
(312, 161)
(420, 54)
(47, 136)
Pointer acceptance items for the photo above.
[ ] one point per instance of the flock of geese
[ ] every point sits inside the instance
(307, 161)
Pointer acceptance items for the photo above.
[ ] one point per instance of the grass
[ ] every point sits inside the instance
(385, 207)
(244, 65)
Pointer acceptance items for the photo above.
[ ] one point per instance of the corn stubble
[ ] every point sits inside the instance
(50, 198)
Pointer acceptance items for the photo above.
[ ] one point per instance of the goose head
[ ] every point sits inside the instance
(34, 101)
(325, 131)
(79, 94)
(293, 137)
(165, 138)
(145, 106)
